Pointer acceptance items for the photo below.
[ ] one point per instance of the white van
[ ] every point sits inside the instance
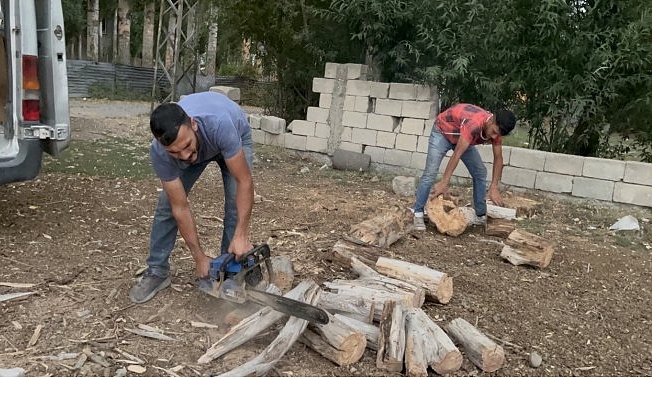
(34, 114)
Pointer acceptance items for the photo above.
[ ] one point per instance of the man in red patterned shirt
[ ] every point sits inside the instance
(460, 128)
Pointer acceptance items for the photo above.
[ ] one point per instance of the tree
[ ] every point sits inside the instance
(93, 30)
(124, 32)
(148, 33)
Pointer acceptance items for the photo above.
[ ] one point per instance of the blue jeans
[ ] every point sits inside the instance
(164, 227)
(438, 146)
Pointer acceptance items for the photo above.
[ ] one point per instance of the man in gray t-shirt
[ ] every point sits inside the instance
(188, 135)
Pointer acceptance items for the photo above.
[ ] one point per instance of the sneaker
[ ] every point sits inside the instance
(147, 286)
(480, 220)
(419, 224)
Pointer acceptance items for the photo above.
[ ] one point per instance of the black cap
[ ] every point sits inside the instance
(505, 120)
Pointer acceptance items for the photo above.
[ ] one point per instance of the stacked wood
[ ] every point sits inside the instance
(524, 248)
(347, 248)
(391, 338)
(499, 227)
(447, 217)
(384, 229)
(428, 345)
(438, 285)
(336, 341)
(525, 207)
(348, 304)
(482, 351)
(369, 330)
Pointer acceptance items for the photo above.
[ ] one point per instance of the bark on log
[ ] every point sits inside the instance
(385, 229)
(416, 360)
(350, 305)
(251, 326)
(382, 283)
(336, 341)
(357, 291)
(482, 351)
(495, 211)
(524, 207)
(441, 353)
(438, 285)
(391, 338)
(283, 272)
(370, 331)
(344, 250)
(499, 227)
(447, 217)
(261, 364)
(524, 248)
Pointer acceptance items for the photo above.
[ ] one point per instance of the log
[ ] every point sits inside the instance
(499, 227)
(336, 341)
(344, 250)
(378, 296)
(385, 229)
(348, 304)
(266, 360)
(283, 272)
(370, 331)
(391, 338)
(482, 351)
(525, 208)
(524, 248)
(251, 326)
(440, 352)
(416, 362)
(495, 211)
(438, 285)
(382, 283)
(447, 217)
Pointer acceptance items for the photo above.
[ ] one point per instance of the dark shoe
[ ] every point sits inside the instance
(419, 224)
(147, 287)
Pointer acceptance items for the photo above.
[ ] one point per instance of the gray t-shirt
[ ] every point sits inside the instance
(221, 122)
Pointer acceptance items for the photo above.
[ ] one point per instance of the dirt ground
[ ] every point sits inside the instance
(79, 233)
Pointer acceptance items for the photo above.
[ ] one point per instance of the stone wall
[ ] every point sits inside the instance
(391, 122)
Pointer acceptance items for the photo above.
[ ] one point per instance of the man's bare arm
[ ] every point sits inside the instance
(244, 198)
(497, 172)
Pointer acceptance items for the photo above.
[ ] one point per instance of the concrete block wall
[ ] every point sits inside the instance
(391, 122)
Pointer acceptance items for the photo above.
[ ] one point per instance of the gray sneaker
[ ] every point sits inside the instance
(419, 224)
(480, 220)
(147, 286)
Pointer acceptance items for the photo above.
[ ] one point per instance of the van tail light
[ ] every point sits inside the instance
(30, 73)
(31, 110)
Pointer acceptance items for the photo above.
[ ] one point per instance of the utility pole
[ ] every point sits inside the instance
(179, 38)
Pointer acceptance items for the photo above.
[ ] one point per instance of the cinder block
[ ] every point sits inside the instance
(564, 164)
(412, 126)
(362, 104)
(322, 130)
(427, 93)
(318, 145)
(254, 121)
(422, 144)
(382, 122)
(402, 91)
(357, 88)
(429, 124)
(303, 128)
(330, 71)
(459, 171)
(406, 142)
(638, 173)
(232, 93)
(272, 124)
(275, 140)
(350, 161)
(295, 142)
(379, 90)
(418, 109)
(354, 119)
(389, 107)
(356, 71)
(386, 139)
(486, 153)
(316, 114)
(325, 100)
(527, 158)
(349, 103)
(556, 183)
(364, 136)
(347, 134)
(593, 188)
(377, 154)
(323, 85)
(602, 168)
(356, 147)
(418, 161)
(490, 172)
(633, 194)
(520, 177)
(258, 136)
(400, 158)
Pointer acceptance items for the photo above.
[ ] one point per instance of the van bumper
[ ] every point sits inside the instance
(25, 166)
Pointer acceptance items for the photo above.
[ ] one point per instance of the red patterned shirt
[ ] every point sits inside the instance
(465, 120)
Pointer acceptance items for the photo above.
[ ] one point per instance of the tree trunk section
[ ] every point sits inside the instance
(348, 304)
(370, 331)
(482, 351)
(378, 296)
(495, 211)
(344, 250)
(440, 352)
(384, 229)
(148, 34)
(525, 207)
(172, 37)
(524, 248)
(336, 341)
(438, 285)
(93, 30)
(124, 33)
(499, 227)
(391, 338)
(448, 218)
(211, 46)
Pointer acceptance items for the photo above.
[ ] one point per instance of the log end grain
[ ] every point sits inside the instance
(492, 359)
(451, 362)
(444, 291)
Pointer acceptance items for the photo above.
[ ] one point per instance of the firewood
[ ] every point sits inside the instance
(391, 338)
(370, 331)
(416, 362)
(266, 360)
(524, 248)
(336, 341)
(385, 229)
(438, 285)
(482, 351)
(382, 283)
(344, 250)
(348, 304)
(379, 296)
(524, 207)
(283, 273)
(495, 211)
(441, 353)
(447, 217)
(499, 227)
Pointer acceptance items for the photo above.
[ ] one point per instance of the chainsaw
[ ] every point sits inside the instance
(237, 281)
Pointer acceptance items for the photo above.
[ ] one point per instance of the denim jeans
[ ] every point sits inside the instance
(164, 227)
(438, 146)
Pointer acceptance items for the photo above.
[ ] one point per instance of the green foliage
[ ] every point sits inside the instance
(74, 14)
(115, 92)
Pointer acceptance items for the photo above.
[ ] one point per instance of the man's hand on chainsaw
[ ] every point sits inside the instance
(239, 246)
(202, 265)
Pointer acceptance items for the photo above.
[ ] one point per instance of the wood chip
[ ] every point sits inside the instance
(136, 369)
(14, 296)
(35, 336)
(18, 285)
(151, 335)
(17, 325)
(198, 324)
(131, 357)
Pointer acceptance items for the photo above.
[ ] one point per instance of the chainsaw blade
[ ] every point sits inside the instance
(289, 306)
